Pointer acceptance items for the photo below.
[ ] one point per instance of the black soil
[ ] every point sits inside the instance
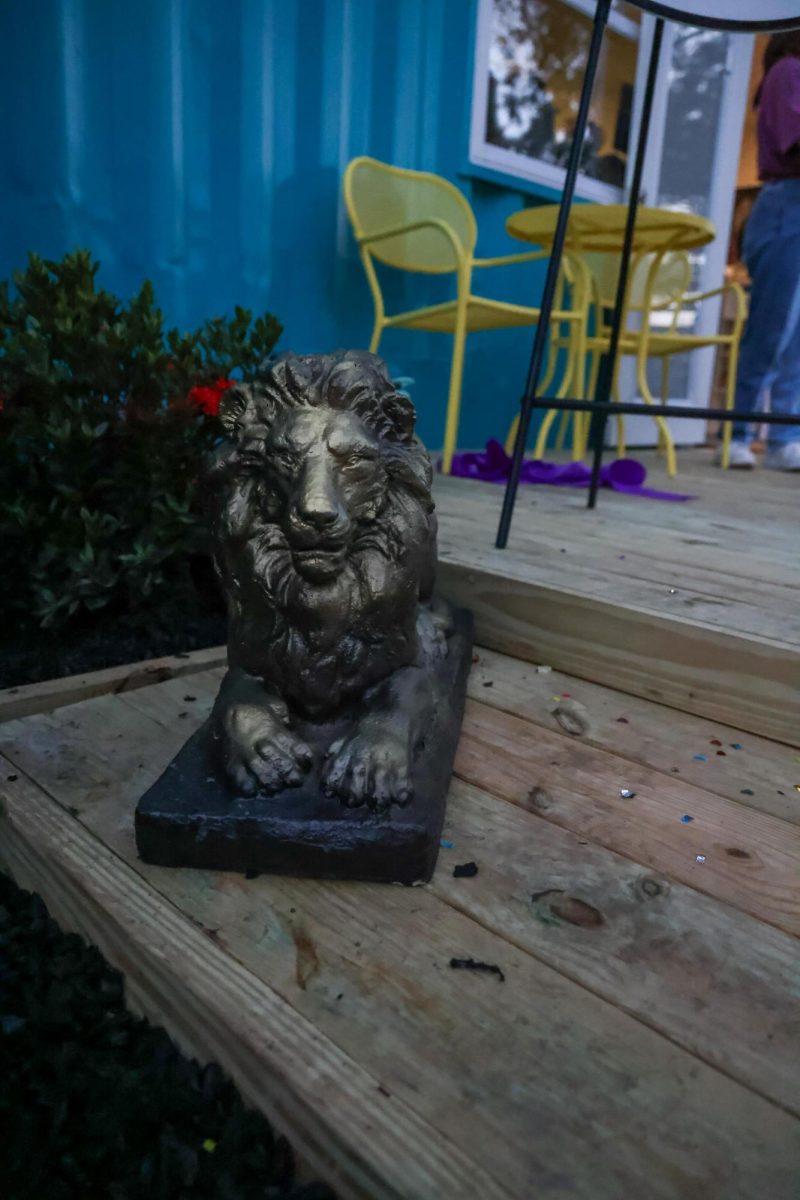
(29, 654)
(96, 1104)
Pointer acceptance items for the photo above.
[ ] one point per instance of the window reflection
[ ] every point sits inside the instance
(537, 60)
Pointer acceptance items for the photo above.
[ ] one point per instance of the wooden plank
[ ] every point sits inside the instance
(740, 542)
(581, 571)
(648, 733)
(366, 1142)
(591, 1101)
(698, 566)
(742, 680)
(716, 982)
(750, 859)
(722, 985)
(55, 693)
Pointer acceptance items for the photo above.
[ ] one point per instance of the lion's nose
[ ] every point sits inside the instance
(316, 505)
(319, 514)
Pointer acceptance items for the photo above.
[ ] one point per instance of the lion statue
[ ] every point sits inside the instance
(324, 539)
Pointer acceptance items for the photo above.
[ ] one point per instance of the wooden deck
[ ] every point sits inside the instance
(694, 605)
(644, 1038)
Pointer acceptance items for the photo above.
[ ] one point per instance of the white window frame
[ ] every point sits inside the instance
(520, 166)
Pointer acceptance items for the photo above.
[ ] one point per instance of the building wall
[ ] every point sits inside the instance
(201, 143)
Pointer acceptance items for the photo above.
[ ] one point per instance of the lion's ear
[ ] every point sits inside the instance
(236, 408)
(401, 415)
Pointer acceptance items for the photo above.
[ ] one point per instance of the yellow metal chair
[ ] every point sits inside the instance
(659, 285)
(416, 221)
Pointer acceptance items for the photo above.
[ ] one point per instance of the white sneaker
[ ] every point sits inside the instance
(783, 458)
(741, 456)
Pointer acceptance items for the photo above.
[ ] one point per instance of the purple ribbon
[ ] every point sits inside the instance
(493, 465)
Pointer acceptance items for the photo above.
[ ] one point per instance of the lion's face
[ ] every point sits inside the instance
(322, 480)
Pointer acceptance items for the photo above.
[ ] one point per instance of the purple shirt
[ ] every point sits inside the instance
(779, 122)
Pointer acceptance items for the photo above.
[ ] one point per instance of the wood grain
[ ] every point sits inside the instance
(539, 1064)
(691, 605)
(742, 680)
(722, 985)
(760, 773)
(750, 859)
(56, 693)
(342, 1119)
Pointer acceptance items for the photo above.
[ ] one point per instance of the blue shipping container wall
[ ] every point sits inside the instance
(201, 143)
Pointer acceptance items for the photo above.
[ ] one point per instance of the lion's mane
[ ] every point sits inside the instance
(323, 646)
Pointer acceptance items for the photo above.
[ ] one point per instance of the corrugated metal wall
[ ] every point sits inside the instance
(202, 143)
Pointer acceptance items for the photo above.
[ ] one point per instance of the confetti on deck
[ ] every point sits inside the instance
(543, 670)
(701, 858)
(622, 721)
(685, 819)
(747, 792)
(716, 742)
(700, 758)
(626, 793)
(736, 745)
(446, 845)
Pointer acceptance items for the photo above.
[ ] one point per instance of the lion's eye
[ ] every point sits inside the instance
(359, 458)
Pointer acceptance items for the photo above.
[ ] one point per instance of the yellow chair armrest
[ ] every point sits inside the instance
(506, 260)
(737, 290)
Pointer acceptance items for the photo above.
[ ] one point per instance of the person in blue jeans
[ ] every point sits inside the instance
(769, 357)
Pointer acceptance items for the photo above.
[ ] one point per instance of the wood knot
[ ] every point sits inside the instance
(572, 717)
(563, 907)
(650, 887)
(736, 852)
(540, 799)
(306, 963)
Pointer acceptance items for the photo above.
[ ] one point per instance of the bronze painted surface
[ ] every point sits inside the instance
(346, 672)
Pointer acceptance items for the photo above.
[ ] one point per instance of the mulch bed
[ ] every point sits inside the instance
(96, 1104)
(29, 654)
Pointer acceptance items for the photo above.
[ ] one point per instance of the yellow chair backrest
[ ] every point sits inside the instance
(380, 197)
(672, 280)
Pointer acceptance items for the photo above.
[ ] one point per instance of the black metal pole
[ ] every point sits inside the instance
(689, 411)
(553, 268)
(605, 377)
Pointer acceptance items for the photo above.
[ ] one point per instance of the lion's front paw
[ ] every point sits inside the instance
(371, 767)
(260, 753)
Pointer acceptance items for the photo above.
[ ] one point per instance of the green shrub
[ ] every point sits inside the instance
(105, 420)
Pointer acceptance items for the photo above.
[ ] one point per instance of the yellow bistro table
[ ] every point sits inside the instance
(600, 229)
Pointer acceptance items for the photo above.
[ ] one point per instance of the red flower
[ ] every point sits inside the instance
(207, 398)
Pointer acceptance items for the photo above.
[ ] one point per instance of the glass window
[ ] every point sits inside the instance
(531, 58)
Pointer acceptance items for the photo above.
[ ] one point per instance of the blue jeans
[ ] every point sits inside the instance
(769, 356)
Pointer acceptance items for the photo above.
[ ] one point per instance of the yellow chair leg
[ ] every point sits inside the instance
(512, 435)
(561, 435)
(454, 394)
(375, 340)
(620, 422)
(730, 398)
(665, 441)
(544, 429)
